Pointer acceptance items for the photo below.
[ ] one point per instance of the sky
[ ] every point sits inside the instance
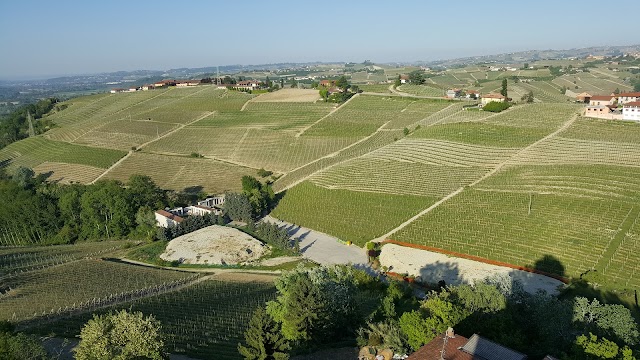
(53, 38)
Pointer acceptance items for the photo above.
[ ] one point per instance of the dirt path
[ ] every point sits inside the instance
(326, 116)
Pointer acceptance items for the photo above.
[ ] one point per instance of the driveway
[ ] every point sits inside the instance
(322, 248)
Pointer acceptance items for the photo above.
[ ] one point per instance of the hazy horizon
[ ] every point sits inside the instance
(77, 37)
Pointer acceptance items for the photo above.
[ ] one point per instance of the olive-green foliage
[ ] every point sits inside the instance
(315, 304)
(592, 348)
(53, 213)
(263, 339)
(121, 336)
(20, 347)
(614, 322)
(496, 107)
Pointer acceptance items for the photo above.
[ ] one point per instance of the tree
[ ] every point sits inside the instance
(294, 83)
(282, 83)
(238, 207)
(616, 91)
(636, 87)
(416, 77)
(398, 82)
(342, 83)
(611, 321)
(324, 93)
(592, 348)
(121, 336)
(528, 97)
(19, 346)
(526, 65)
(315, 304)
(144, 192)
(263, 339)
(24, 176)
(503, 91)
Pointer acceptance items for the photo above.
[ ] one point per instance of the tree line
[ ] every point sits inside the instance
(39, 213)
(325, 305)
(27, 120)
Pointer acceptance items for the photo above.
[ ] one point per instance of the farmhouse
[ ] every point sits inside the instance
(601, 112)
(602, 100)
(492, 97)
(185, 83)
(134, 88)
(148, 87)
(449, 346)
(327, 83)
(453, 93)
(114, 91)
(404, 79)
(631, 111)
(166, 219)
(583, 97)
(248, 84)
(472, 94)
(624, 98)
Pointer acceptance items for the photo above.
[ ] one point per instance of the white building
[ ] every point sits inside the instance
(601, 100)
(492, 97)
(631, 111)
(166, 219)
(201, 210)
(624, 98)
(213, 201)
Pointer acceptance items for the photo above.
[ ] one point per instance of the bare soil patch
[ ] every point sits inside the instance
(289, 95)
(244, 277)
(214, 245)
(433, 267)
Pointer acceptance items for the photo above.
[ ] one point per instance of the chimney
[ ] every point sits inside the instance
(450, 333)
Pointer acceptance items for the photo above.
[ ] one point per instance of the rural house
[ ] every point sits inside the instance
(492, 97)
(472, 94)
(215, 201)
(404, 79)
(166, 219)
(601, 112)
(449, 346)
(631, 111)
(248, 84)
(602, 100)
(583, 97)
(453, 93)
(624, 98)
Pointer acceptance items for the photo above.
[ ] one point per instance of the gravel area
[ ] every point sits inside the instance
(214, 245)
(433, 267)
(322, 248)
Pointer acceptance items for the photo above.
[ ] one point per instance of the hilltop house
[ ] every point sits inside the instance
(166, 219)
(492, 97)
(115, 91)
(472, 94)
(631, 111)
(327, 83)
(165, 83)
(450, 346)
(404, 79)
(624, 98)
(185, 83)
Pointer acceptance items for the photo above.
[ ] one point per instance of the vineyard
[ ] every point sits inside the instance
(55, 289)
(205, 320)
(356, 216)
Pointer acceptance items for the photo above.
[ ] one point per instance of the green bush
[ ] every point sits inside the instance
(496, 107)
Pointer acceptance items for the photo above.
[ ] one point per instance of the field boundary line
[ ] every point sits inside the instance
(476, 258)
(334, 154)
(485, 176)
(326, 116)
(149, 142)
(226, 161)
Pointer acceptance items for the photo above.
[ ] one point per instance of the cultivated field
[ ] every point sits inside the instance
(290, 95)
(205, 320)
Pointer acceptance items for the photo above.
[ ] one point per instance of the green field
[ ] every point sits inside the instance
(355, 216)
(37, 150)
(205, 320)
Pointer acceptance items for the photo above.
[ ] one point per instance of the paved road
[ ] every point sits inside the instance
(323, 248)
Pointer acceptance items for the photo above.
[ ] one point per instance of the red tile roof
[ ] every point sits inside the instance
(630, 94)
(493, 96)
(602, 97)
(432, 350)
(634, 103)
(169, 215)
